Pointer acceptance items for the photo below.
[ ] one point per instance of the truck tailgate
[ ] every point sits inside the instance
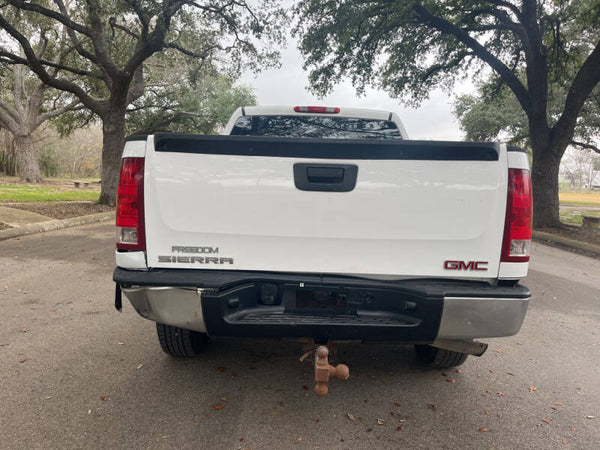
(228, 202)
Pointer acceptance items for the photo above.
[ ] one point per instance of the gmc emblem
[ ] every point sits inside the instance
(463, 265)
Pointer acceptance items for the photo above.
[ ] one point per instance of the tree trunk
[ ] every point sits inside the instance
(544, 178)
(27, 160)
(113, 140)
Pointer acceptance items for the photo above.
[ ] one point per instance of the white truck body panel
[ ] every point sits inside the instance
(404, 218)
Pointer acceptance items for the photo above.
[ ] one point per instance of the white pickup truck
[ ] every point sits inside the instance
(327, 224)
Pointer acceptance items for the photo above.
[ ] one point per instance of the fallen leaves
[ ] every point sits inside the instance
(532, 388)
(24, 330)
(431, 405)
(546, 421)
(351, 417)
(224, 399)
(399, 428)
(103, 398)
(451, 380)
(298, 440)
(217, 407)
(590, 417)
(139, 367)
(381, 421)
(558, 403)
(305, 387)
(483, 430)
(221, 369)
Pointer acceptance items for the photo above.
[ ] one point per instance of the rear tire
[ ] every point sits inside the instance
(180, 342)
(438, 358)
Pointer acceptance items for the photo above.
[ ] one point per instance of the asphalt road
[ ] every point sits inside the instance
(75, 373)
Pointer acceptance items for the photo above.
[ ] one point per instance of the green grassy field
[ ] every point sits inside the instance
(45, 193)
(576, 217)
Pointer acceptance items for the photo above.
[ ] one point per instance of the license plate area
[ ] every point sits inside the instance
(322, 301)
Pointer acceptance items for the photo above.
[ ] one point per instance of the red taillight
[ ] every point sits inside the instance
(517, 228)
(317, 109)
(130, 206)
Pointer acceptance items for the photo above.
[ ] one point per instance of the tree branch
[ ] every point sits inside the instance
(449, 28)
(73, 36)
(14, 59)
(75, 105)
(504, 4)
(200, 55)
(583, 84)
(8, 119)
(30, 6)
(586, 146)
(36, 66)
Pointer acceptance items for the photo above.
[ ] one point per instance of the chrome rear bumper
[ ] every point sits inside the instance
(459, 317)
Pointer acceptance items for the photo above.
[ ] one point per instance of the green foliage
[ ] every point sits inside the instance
(494, 113)
(185, 96)
(49, 162)
(409, 47)
(492, 117)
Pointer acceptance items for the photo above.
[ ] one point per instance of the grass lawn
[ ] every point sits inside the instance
(580, 198)
(45, 193)
(576, 217)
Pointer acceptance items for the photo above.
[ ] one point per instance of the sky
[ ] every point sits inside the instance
(433, 120)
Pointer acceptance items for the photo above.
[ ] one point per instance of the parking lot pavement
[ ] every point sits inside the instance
(75, 373)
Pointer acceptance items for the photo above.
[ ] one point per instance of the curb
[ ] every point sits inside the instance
(544, 237)
(50, 225)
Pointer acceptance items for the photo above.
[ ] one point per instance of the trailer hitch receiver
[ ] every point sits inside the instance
(324, 371)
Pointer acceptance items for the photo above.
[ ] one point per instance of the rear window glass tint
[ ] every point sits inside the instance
(316, 127)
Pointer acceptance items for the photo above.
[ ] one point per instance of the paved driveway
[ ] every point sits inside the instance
(77, 374)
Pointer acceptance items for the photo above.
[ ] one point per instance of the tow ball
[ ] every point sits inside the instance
(324, 371)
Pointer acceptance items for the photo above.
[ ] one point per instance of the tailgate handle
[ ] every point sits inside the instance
(325, 174)
(325, 177)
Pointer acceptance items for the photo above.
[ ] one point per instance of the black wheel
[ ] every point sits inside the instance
(180, 342)
(438, 358)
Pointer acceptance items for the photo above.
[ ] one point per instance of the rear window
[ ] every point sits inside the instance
(316, 127)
